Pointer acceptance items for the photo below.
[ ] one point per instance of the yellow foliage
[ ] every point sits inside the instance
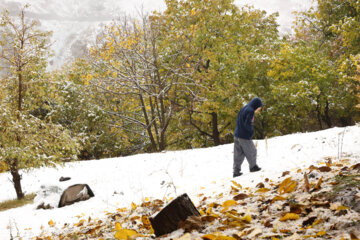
(318, 185)
(287, 186)
(317, 221)
(228, 203)
(118, 226)
(121, 209)
(247, 218)
(339, 208)
(51, 223)
(217, 237)
(236, 184)
(146, 222)
(263, 190)
(320, 234)
(208, 211)
(277, 198)
(80, 223)
(124, 234)
(133, 206)
(289, 216)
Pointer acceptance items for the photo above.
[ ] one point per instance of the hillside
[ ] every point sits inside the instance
(247, 207)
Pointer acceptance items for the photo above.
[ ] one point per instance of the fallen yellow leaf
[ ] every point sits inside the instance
(278, 198)
(228, 203)
(123, 234)
(80, 223)
(217, 237)
(317, 221)
(236, 184)
(51, 223)
(263, 190)
(318, 185)
(208, 211)
(118, 226)
(287, 186)
(320, 234)
(339, 208)
(289, 216)
(247, 218)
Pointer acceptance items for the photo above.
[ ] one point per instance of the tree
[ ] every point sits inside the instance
(27, 141)
(333, 27)
(227, 51)
(306, 88)
(79, 110)
(139, 81)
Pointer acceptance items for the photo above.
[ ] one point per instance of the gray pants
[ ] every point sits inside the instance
(244, 148)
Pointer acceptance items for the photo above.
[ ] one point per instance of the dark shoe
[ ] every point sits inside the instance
(255, 169)
(237, 174)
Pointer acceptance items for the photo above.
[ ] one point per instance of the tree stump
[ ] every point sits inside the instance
(177, 211)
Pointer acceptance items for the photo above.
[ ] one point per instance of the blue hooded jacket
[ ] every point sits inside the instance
(244, 122)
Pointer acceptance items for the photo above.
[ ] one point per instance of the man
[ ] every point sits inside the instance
(243, 145)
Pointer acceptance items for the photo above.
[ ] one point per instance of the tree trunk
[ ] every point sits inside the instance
(215, 130)
(14, 169)
(318, 113)
(169, 218)
(17, 183)
(327, 118)
(148, 125)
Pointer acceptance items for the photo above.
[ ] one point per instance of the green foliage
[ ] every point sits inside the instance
(226, 50)
(302, 88)
(77, 110)
(27, 141)
(321, 56)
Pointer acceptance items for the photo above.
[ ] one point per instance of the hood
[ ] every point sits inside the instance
(256, 103)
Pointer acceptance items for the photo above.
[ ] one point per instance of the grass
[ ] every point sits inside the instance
(9, 204)
(344, 182)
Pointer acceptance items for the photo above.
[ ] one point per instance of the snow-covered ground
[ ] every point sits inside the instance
(118, 182)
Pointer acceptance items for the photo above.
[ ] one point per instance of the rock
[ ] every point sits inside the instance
(63, 179)
(75, 193)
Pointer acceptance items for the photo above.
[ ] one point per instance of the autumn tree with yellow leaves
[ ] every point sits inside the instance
(139, 79)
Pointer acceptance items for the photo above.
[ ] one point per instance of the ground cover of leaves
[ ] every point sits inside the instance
(320, 202)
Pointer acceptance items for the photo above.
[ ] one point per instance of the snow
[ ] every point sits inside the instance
(118, 182)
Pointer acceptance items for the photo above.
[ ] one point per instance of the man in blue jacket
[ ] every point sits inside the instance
(243, 145)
